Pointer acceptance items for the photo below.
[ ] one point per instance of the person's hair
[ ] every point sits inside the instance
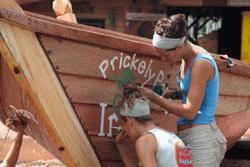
(142, 119)
(174, 26)
(129, 94)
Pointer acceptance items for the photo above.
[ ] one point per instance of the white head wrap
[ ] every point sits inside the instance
(140, 108)
(165, 42)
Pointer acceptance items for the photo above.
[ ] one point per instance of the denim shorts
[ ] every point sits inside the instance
(206, 144)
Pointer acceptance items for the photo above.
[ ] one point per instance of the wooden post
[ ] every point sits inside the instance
(26, 59)
(245, 38)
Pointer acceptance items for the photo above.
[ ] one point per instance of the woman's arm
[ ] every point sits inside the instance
(201, 72)
(13, 154)
(146, 149)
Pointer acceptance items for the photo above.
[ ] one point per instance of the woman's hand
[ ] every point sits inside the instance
(172, 94)
(121, 136)
(147, 92)
(15, 124)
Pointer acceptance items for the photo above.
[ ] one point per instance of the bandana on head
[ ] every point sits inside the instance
(165, 42)
(140, 108)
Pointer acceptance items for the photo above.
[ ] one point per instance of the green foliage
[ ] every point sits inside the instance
(126, 77)
(115, 100)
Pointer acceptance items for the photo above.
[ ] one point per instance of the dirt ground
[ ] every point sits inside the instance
(32, 154)
(41, 163)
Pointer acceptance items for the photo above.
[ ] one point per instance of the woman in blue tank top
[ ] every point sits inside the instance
(198, 79)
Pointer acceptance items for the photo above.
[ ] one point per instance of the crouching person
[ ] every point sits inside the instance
(155, 147)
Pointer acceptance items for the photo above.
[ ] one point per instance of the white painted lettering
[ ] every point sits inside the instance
(112, 62)
(121, 59)
(141, 67)
(159, 78)
(103, 106)
(103, 67)
(125, 64)
(111, 118)
(149, 78)
(125, 61)
(145, 75)
(133, 63)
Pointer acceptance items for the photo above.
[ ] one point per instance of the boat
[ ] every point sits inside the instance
(59, 76)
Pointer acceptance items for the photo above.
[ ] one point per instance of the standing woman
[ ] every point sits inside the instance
(198, 79)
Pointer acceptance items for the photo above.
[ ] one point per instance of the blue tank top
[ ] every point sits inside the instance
(208, 105)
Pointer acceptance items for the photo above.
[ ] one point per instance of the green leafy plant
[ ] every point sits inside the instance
(126, 77)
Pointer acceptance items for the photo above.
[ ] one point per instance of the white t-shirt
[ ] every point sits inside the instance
(172, 152)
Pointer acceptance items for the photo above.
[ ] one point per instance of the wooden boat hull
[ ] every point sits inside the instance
(83, 58)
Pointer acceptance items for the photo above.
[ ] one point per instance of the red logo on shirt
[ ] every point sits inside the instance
(183, 158)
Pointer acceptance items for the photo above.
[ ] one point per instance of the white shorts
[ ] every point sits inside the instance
(206, 144)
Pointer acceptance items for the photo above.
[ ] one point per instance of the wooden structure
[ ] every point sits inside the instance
(138, 17)
(58, 73)
(199, 3)
(245, 44)
(21, 2)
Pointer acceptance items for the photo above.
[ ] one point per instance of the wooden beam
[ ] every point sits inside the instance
(182, 3)
(144, 16)
(22, 2)
(238, 3)
(25, 57)
(197, 3)
(216, 3)
(193, 3)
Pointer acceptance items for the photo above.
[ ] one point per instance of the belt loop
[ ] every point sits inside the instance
(213, 126)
